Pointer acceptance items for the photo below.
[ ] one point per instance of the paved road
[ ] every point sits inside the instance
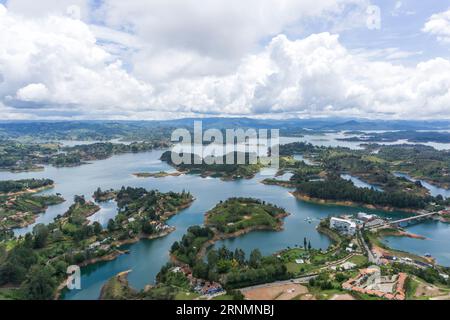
(372, 258)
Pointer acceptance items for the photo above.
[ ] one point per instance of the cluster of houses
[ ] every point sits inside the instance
(100, 245)
(17, 216)
(370, 281)
(158, 225)
(200, 286)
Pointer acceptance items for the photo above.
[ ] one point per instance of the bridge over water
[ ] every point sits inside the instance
(391, 223)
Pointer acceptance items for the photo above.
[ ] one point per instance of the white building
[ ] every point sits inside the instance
(365, 217)
(343, 226)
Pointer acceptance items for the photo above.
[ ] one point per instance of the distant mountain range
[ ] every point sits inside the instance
(292, 126)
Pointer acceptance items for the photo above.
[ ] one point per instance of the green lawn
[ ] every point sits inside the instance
(9, 294)
(183, 295)
(358, 260)
(223, 297)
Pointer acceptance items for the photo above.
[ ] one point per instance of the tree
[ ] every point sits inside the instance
(223, 266)
(236, 294)
(147, 228)
(255, 258)
(309, 245)
(40, 233)
(200, 270)
(224, 253)
(10, 273)
(239, 255)
(304, 242)
(212, 258)
(97, 228)
(17, 263)
(79, 200)
(175, 246)
(111, 225)
(39, 284)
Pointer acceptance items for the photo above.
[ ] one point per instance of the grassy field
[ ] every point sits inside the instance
(359, 260)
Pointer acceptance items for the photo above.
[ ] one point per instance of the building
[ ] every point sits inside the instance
(343, 226)
(375, 223)
(365, 217)
(370, 281)
(347, 265)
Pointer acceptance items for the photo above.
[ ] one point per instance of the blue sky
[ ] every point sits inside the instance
(157, 59)
(401, 28)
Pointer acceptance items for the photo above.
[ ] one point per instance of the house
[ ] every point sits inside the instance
(94, 245)
(348, 265)
(344, 226)
(444, 276)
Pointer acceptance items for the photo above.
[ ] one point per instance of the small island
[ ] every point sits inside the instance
(219, 169)
(244, 214)
(160, 174)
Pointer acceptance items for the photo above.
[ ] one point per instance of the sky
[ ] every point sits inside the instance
(165, 59)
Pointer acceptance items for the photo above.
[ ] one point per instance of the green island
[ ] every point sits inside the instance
(160, 174)
(19, 206)
(35, 265)
(216, 167)
(242, 214)
(28, 156)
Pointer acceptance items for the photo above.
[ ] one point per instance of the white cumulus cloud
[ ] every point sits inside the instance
(439, 26)
(56, 60)
(33, 92)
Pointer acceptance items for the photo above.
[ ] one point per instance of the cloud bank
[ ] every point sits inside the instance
(145, 61)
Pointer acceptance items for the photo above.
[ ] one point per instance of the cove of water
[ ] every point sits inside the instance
(300, 157)
(436, 243)
(434, 190)
(359, 183)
